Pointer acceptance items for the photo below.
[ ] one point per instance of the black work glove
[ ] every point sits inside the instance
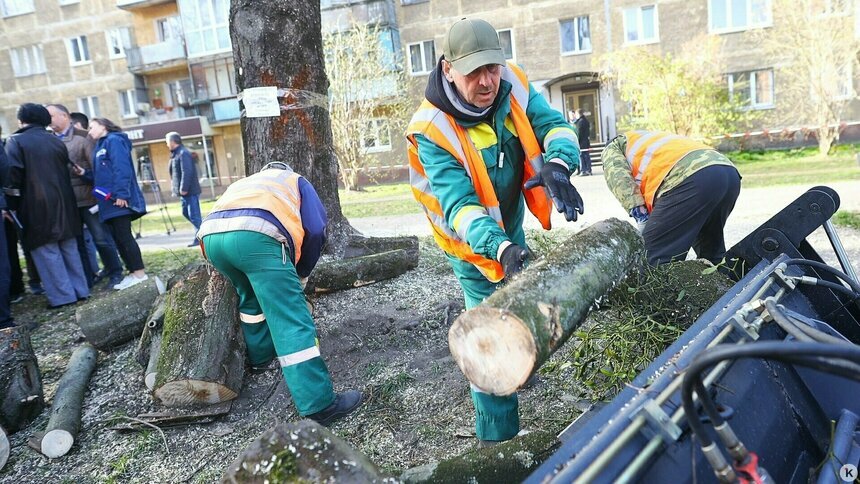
(513, 259)
(556, 178)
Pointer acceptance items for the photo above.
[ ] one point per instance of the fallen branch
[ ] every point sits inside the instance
(21, 398)
(120, 316)
(142, 422)
(343, 274)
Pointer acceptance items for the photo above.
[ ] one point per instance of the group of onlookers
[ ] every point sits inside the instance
(58, 180)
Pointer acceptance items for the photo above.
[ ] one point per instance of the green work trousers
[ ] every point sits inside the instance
(276, 321)
(496, 418)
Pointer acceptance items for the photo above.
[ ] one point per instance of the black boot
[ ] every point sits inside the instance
(344, 403)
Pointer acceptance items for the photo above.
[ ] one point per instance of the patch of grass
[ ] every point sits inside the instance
(153, 221)
(795, 166)
(371, 208)
(120, 466)
(847, 218)
(170, 260)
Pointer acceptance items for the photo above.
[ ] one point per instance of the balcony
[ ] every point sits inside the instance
(161, 115)
(218, 111)
(135, 4)
(153, 58)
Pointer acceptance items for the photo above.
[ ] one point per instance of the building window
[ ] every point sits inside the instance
(214, 79)
(422, 57)
(640, 25)
(734, 15)
(128, 103)
(79, 53)
(506, 40)
(118, 40)
(376, 137)
(168, 28)
(90, 106)
(27, 60)
(575, 36)
(9, 8)
(844, 82)
(753, 88)
(206, 26)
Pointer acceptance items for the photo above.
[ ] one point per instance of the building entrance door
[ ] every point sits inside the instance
(589, 102)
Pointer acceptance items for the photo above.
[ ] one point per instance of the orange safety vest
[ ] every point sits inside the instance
(275, 191)
(443, 130)
(652, 154)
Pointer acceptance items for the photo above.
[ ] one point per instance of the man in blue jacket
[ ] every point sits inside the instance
(183, 174)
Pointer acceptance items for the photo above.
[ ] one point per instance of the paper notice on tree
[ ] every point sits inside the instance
(261, 102)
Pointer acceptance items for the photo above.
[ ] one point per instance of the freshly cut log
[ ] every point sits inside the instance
(202, 354)
(4, 448)
(343, 274)
(301, 451)
(501, 342)
(21, 398)
(153, 323)
(154, 351)
(65, 421)
(120, 316)
(359, 246)
(510, 461)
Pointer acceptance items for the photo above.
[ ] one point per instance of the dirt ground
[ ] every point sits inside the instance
(387, 339)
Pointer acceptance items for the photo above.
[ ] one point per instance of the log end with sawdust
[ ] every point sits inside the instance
(120, 316)
(21, 397)
(500, 343)
(301, 451)
(202, 355)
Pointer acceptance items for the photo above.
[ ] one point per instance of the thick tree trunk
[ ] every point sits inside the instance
(279, 44)
(21, 398)
(510, 335)
(202, 351)
(4, 448)
(343, 274)
(120, 316)
(359, 246)
(150, 372)
(153, 325)
(511, 461)
(301, 452)
(65, 421)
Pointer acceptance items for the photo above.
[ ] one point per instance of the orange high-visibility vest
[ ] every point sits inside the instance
(652, 154)
(442, 129)
(275, 191)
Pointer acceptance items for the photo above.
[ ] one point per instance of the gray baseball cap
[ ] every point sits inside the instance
(472, 43)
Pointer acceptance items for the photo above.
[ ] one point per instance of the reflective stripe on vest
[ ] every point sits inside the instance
(275, 191)
(443, 130)
(652, 155)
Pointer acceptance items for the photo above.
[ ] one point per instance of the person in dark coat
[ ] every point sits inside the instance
(183, 174)
(5, 268)
(583, 134)
(119, 197)
(40, 190)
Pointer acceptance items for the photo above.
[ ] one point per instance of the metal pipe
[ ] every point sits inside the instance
(847, 268)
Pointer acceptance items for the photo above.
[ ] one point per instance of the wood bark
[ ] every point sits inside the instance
(278, 43)
(302, 451)
(65, 421)
(150, 372)
(501, 342)
(4, 448)
(510, 461)
(359, 246)
(202, 354)
(343, 274)
(21, 398)
(120, 316)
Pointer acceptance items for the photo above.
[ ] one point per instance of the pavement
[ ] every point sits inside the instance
(754, 207)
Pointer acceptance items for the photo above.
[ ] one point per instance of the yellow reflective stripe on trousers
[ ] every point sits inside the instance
(299, 356)
(649, 155)
(464, 218)
(252, 318)
(559, 133)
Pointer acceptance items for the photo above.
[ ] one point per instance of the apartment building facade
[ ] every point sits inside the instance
(560, 43)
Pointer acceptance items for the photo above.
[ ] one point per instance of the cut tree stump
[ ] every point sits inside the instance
(301, 451)
(21, 398)
(151, 367)
(501, 342)
(120, 316)
(65, 421)
(341, 274)
(359, 246)
(510, 461)
(202, 354)
(4, 448)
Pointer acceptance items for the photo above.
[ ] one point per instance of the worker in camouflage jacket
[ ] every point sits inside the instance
(483, 145)
(680, 190)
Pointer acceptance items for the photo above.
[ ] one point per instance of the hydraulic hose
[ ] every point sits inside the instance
(807, 325)
(820, 265)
